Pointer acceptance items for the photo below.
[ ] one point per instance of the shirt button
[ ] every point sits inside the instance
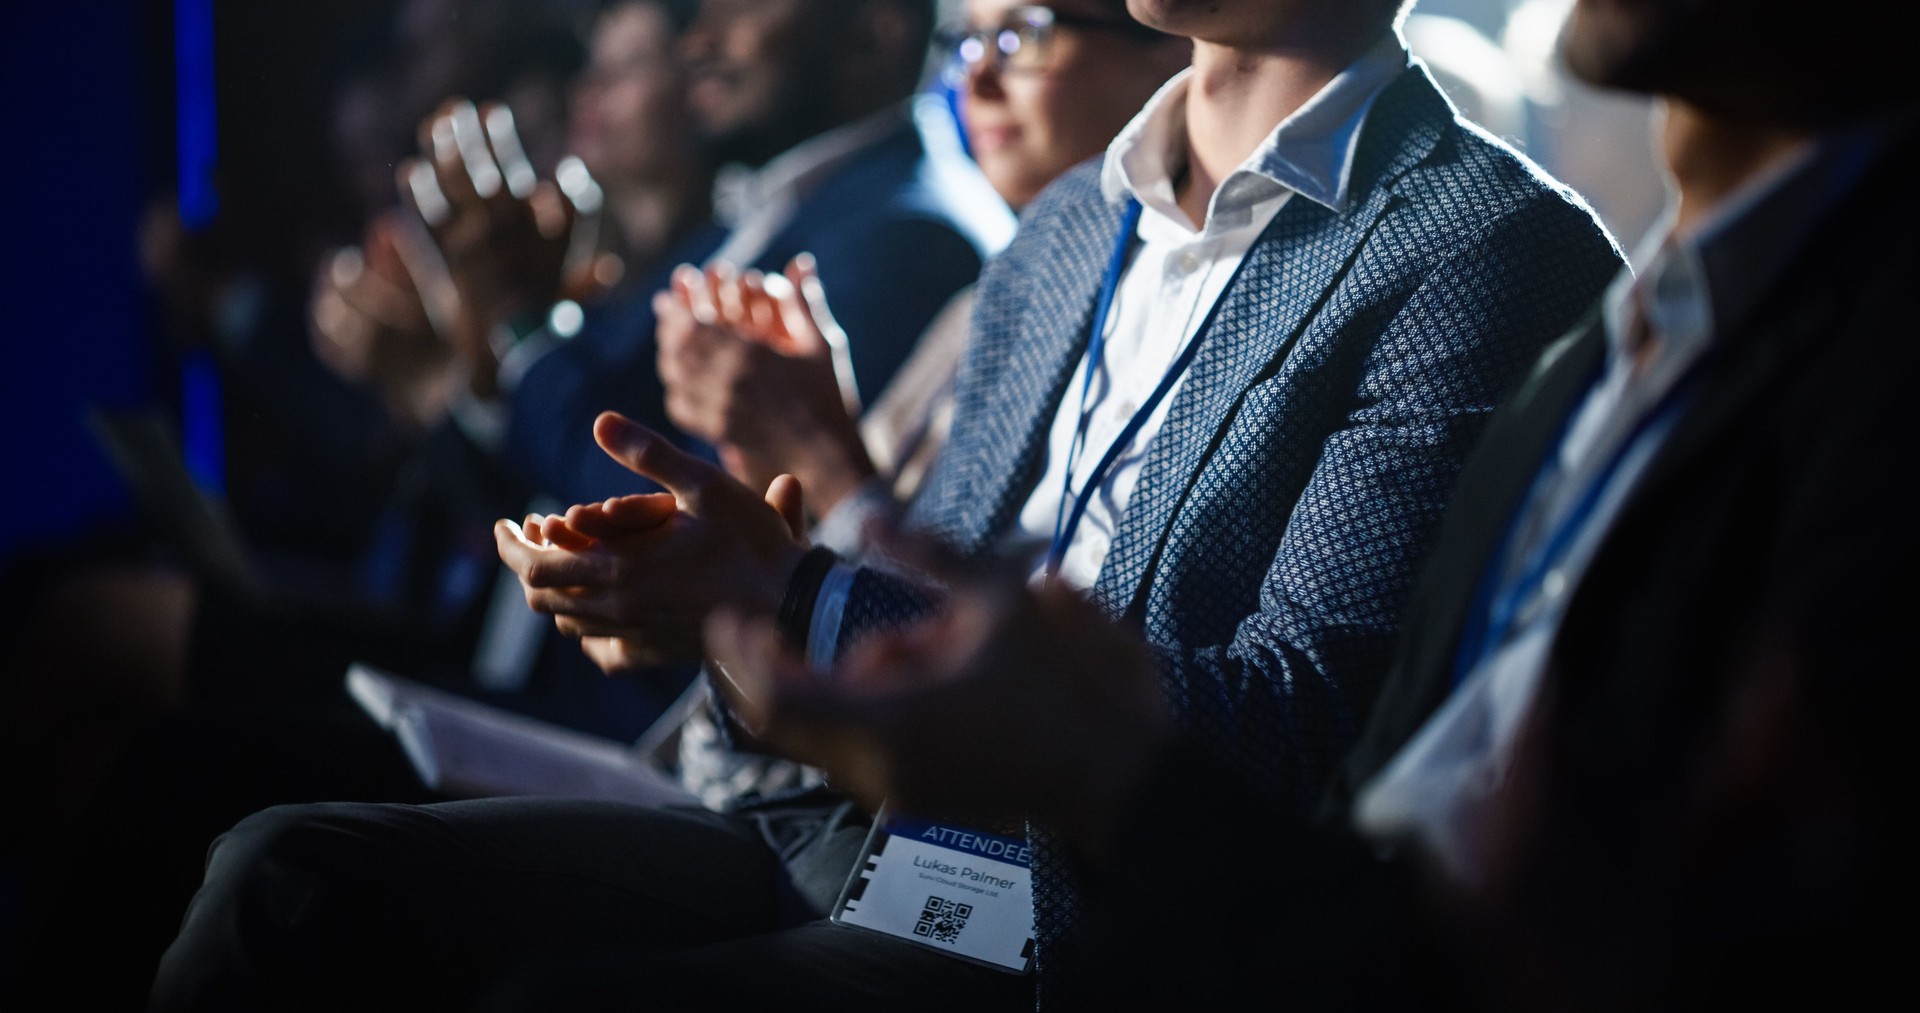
(1186, 263)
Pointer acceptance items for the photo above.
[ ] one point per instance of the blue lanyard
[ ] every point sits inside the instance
(1492, 618)
(1066, 522)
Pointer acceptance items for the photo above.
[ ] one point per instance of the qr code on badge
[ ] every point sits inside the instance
(941, 920)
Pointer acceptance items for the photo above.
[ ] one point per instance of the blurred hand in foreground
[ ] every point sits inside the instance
(1013, 702)
(647, 570)
(754, 364)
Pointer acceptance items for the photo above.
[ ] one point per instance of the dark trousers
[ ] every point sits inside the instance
(520, 903)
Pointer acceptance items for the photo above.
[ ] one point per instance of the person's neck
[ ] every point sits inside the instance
(654, 215)
(1711, 157)
(1235, 97)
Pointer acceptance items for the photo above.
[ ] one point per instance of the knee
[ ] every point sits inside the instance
(304, 841)
(267, 881)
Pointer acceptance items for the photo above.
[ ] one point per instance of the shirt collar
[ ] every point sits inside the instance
(738, 191)
(1309, 153)
(1707, 280)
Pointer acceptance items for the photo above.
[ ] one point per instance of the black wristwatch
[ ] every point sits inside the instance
(803, 590)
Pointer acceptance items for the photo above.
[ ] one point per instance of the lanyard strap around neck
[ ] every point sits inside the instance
(1496, 608)
(1072, 507)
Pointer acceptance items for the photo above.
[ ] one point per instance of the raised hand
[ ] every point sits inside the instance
(509, 243)
(756, 365)
(371, 325)
(1013, 702)
(647, 570)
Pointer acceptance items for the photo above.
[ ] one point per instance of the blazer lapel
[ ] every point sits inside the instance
(1026, 351)
(1283, 282)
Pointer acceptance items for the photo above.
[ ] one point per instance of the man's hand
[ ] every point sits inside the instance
(755, 365)
(636, 571)
(1012, 703)
(371, 326)
(509, 243)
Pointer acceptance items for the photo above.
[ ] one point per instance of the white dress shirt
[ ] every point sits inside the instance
(1176, 273)
(1439, 790)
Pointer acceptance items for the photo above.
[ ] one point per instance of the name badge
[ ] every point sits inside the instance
(964, 892)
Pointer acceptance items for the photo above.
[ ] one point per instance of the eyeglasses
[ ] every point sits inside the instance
(1023, 41)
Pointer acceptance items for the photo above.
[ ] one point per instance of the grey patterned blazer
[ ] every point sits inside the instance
(1285, 506)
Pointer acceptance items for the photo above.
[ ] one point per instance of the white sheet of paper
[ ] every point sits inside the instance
(466, 748)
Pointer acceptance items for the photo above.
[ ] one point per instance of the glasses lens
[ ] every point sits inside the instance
(1026, 47)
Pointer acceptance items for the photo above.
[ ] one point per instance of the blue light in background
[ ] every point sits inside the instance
(201, 437)
(193, 85)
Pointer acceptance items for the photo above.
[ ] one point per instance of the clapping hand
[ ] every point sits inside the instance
(636, 577)
(1012, 702)
(371, 325)
(509, 244)
(755, 365)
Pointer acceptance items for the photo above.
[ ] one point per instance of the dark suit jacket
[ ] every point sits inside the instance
(894, 238)
(1700, 810)
(1304, 464)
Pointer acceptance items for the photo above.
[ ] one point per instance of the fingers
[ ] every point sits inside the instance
(441, 148)
(784, 496)
(613, 655)
(788, 313)
(563, 533)
(723, 280)
(804, 274)
(762, 311)
(650, 455)
(802, 269)
(691, 286)
(578, 185)
(504, 140)
(670, 312)
(553, 214)
(482, 175)
(419, 187)
(621, 515)
(540, 565)
(639, 511)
